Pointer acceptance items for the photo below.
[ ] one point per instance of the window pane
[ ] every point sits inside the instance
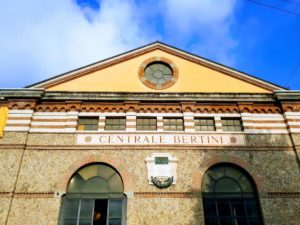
(217, 172)
(115, 184)
(144, 123)
(210, 208)
(173, 124)
(86, 211)
(255, 221)
(70, 211)
(90, 127)
(105, 172)
(95, 185)
(232, 124)
(161, 160)
(233, 172)
(246, 185)
(88, 123)
(226, 221)
(237, 122)
(115, 222)
(115, 123)
(211, 128)
(204, 124)
(229, 122)
(223, 208)
(238, 208)
(211, 221)
(208, 183)
(180, 127)
(240, 221)
(115, 209)
(227, 185)
(251, 206)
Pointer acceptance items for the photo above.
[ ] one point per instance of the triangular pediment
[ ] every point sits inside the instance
(122, 73)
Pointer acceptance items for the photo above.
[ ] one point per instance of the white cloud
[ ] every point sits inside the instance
(206, 23)
(40, 39)
(44, 38)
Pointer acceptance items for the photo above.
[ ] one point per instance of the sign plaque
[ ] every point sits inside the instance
(160, 139)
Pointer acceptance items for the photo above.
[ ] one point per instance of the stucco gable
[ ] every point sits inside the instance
(121, 74)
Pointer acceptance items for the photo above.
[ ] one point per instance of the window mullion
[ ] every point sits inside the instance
(78, 213)
(107, 212)
(92, 219)
(217, 210)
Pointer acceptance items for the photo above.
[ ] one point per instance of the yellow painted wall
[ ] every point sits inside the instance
(123, 77)
(3, 118)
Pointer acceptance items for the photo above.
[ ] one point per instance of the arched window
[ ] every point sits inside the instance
(94, 197)
(229, 197)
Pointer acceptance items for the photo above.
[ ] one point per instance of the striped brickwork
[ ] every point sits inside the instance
(293, 121)
(66, 122)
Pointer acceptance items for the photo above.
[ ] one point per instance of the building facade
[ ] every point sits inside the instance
(152, 136)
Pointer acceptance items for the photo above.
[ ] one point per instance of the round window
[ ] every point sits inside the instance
(158, 73)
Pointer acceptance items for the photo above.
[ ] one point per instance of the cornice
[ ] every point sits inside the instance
(59, 101)
(288, 95)
(36, 93)
(42, 95)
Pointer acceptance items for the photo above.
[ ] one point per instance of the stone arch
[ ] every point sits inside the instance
(117, 165)
(257, 179)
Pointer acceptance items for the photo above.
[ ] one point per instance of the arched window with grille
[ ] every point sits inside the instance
(95, 196)
(229, 197)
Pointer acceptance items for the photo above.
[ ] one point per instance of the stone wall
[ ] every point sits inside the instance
(49, 161)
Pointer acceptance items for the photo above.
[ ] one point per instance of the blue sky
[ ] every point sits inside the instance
(41, 39)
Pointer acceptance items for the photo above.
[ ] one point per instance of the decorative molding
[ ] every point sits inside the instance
(163, 194)
(141, 73)
(145, 107)
(291, 106)
(283, 194)
(162, 183)
(34, 195)
(6, 194)
(151, 147)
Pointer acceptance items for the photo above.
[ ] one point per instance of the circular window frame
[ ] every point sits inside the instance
(163, 60)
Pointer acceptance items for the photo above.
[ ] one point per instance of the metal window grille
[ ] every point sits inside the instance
(173, 124)
(88, 123)
(232, 124)
(115, 123)
(205, 124)
(146, 123)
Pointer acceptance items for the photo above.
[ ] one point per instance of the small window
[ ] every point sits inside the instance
(161, 160)
(115, 123)
(232, 124)
(146, 123)
(205, 124)
(173, 124)
(88, 123)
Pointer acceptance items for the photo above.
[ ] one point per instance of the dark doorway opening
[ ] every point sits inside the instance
(100, 212)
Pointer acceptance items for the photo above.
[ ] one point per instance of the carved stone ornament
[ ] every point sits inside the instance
(162, 183)
(161, 169)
